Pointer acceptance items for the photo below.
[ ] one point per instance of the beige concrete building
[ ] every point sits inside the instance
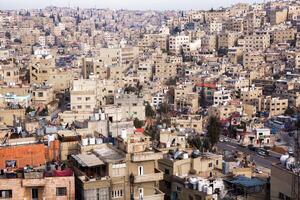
(284, 35)
(227, 40)
(283, 182)
(128, 171)
(84, 95)
(42, 69)
(181, 167)
(257, 41)
(252, 59)
(176, 43)
(273, 105)
(188, 122)
(278, 16)
(42, 95)
(37, 185)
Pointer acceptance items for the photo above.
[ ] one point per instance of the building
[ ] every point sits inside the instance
(126, 171)
(38, 184)
(176, 43)
(183, 172)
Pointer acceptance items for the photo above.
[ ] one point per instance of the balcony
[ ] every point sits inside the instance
(156, 176)
(158, 195)
(33, 179)
(146, 156)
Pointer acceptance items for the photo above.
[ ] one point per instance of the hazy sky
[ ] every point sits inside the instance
(126, 4)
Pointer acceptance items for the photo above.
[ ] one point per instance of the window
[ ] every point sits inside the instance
(61, 191)
(5, 194)
(88, 98)
(35, 193)
(210, 164)
(40, 94)
(167, 172)
(117, 193)
(79, 98)
(140, 170)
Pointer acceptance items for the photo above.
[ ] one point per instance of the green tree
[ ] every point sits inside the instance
(289, 111)
(138, 123)
(149, 111)
(213, 130)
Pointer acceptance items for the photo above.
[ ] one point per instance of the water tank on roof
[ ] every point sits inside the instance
(209, 190)
(102, 116)
(85, 141)
(185, 156)
(124, 133)
(290, 162)
(92, 140)
(204, 188)
(96, 116)
(99, 140)
(200, 185)
(283, 159)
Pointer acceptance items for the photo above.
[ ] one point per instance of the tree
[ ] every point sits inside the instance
(200, 143)
(149, 111)
(289, 111)
(138, 123)
(213, 130)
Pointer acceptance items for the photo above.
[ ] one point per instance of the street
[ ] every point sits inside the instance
(264, 161)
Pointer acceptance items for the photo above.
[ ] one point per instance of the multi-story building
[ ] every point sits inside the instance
(176, 42)
(257, 41)
(38, 184)
(180, 166)
(127, 171)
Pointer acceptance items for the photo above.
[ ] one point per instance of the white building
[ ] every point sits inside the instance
(222, 97)
(176, 42)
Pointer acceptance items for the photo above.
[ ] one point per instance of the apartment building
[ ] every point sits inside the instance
(127, 171)
(9, 72)
(284, 35)
(176, 43)
(180, 167)
(257, 41)
(252, 59)
(272, 105)
(278, 16)
(165, 70)
(42, 95)
(227, 40)
(193, 122)
(221, 97)
(38, 184)
(283, 180)
(42, 69)
(248, 95)
(94, 66)
(84, 95)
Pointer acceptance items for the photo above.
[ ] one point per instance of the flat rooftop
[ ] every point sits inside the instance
(108, 153)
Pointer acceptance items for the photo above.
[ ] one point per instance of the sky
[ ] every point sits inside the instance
(125, 4)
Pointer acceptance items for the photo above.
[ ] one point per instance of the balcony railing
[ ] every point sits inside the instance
(146, 156)
(156, 176)
(158, 195)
